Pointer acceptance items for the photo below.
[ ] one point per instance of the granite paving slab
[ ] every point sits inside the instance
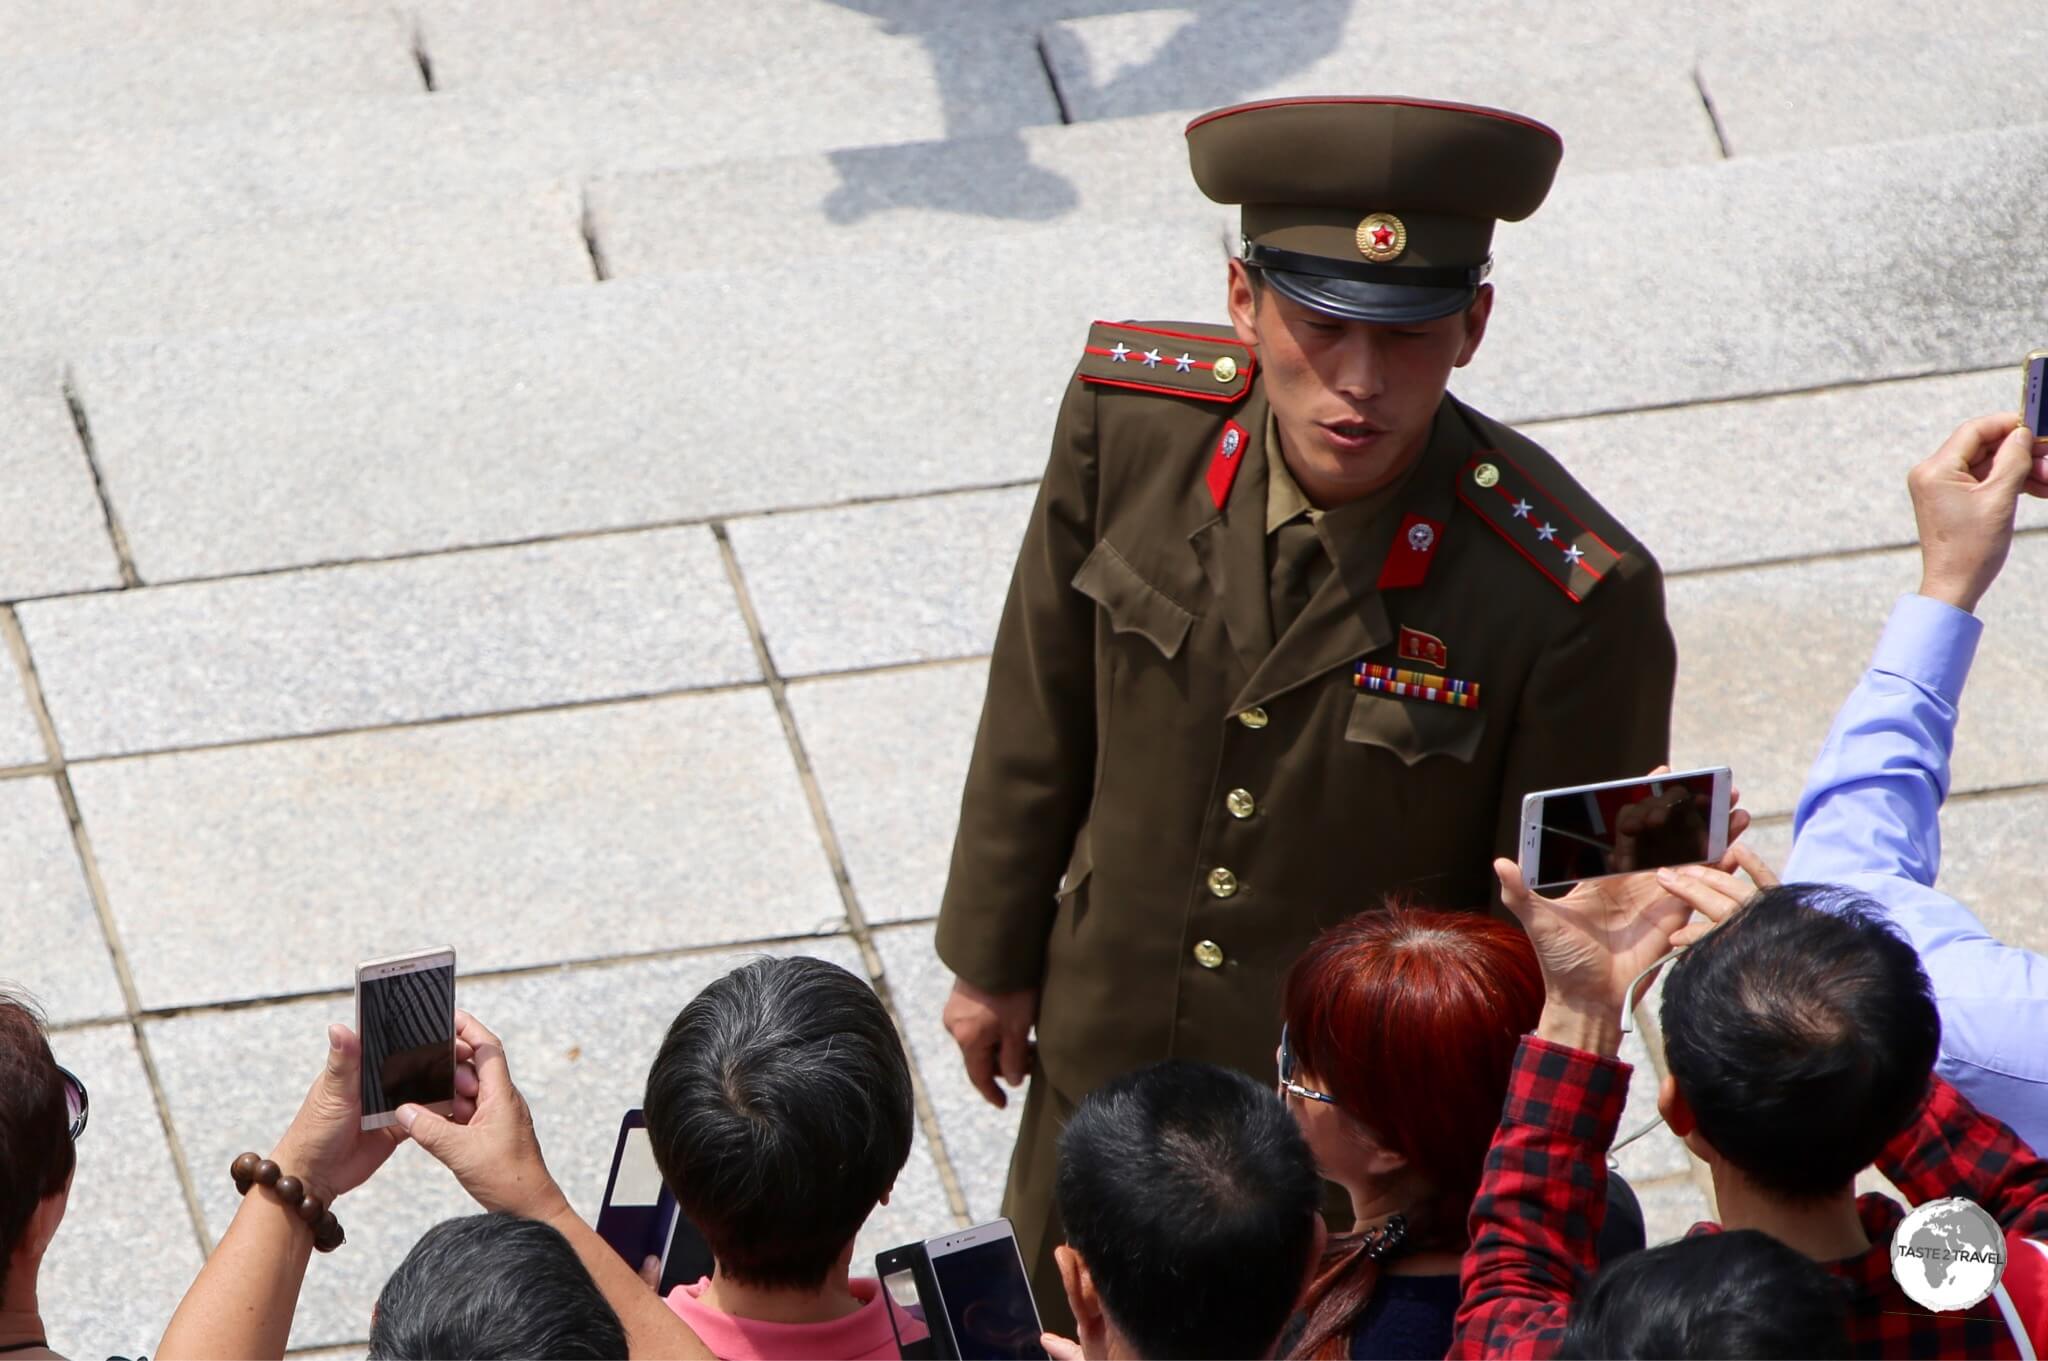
(35, 28)
(53, 534)
(1878, 87)
(956, 79)
(917, 580)
(890, 753)
(978, 1137)
(1671, 1207)
(579, 1045)
(1788, 272)
(21, 741)
(1768, 654)
(603, 407)
(55, 949)
(199, 76)
(127, 1215)
(1717, 484)
(902, 200)
(468, 246)
(393, 642)
(528, 840)
(1621, 99)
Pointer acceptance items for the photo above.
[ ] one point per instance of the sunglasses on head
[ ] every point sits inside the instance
(76, 1105)
(1287, 1082)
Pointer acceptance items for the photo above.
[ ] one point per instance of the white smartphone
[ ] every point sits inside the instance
(985, 1292)
(405, 1015)
(1590, 831)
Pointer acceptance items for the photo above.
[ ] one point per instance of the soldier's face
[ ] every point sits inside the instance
(1354, 401)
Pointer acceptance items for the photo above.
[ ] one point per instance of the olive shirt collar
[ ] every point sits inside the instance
(1347, 616)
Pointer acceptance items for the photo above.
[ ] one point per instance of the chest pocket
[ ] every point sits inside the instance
(1414, 729)
(1133, 604)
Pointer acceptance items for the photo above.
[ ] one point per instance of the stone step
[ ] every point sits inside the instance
(53, 534)
(468, 246)
(75, 102)
(626, 404)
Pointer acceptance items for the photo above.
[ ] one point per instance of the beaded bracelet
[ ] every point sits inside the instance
(251, 1169)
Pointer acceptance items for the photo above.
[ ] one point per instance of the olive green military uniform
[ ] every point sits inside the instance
(1169, 796)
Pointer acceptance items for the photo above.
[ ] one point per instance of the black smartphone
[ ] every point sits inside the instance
(405, 1016)
(905, 1274)
(2034, 391)
(639, 1216)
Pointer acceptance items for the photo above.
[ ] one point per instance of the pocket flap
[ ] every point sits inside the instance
(1413, 729)
(1134, 605)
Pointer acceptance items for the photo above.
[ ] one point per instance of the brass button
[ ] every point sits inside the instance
(1253, 717)
(1208, 954)
(1224, 369)
(1240, 803)
(1486, 475)
(1222, 882)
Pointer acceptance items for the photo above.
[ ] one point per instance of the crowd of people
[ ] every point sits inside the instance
(1455, 1074)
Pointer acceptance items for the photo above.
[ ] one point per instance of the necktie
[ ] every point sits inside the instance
(1298, 566)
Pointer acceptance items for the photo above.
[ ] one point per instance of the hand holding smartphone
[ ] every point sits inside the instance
(405, 1014)
(1621, 826)
(962, 1295)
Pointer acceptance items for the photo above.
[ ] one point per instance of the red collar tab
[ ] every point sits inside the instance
(1229, 457)
(1412, 551)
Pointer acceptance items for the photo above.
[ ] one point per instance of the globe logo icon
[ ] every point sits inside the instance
(1948, 1254)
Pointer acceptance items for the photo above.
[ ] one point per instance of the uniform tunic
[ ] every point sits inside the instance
(1166, 801)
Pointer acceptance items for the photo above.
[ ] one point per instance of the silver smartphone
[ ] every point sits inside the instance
(1590, 831)
(405, 1016)
(985, 1293)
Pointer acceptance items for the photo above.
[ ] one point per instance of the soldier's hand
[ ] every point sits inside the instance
(993, 1030)
(1964, 500)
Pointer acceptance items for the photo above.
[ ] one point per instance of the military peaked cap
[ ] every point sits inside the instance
(1373, 209)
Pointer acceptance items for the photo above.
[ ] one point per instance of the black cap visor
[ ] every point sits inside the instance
(1380, 304)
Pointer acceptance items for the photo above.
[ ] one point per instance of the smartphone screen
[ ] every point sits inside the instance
(1618, 829)
(906, 1310)
(408, 1033)
(635, 1215)
(2034, 392)
(987, 1299)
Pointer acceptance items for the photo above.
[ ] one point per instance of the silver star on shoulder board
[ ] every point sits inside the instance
(1184, 364)
(1152, 358)
(1572, 555)
(1117, 355)
(1522, 509)
(1546, 532)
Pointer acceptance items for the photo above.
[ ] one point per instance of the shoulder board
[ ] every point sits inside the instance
(1517, 507)
(1177, 363)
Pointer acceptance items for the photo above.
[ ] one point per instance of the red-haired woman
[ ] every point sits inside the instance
(1401, 1028)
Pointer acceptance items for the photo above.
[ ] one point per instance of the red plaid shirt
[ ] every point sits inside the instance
(1543, 1194)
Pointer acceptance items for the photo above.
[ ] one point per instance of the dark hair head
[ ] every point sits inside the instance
(1801, 1031)
(491, 1286)
(780, 1112)
(1410, 1018)
(36, 1156)
(1741, 1294)
(1192, 1197)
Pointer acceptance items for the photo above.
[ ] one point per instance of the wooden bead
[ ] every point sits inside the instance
(267, 1173)
(244, 1169)
(311, 1208)
(327, 1234)
(290, 1190)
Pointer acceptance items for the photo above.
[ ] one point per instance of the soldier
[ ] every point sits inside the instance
(1292, 629)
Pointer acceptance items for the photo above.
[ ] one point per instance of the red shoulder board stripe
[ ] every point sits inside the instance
(1176, 363)
(1556, 542)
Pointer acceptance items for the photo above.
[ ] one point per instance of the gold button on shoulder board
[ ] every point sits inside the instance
(1240, 803)
(1208, 954)
(1224, 369)
(1486, 475)
(1222, 882)
(1253, 717)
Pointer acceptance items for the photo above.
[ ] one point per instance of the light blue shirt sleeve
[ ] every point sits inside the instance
(1869, 819)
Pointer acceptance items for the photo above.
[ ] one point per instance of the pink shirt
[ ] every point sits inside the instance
(863, 1335)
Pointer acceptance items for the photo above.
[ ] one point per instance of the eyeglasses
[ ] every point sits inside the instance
(76, 1104)
(1287, 1082)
